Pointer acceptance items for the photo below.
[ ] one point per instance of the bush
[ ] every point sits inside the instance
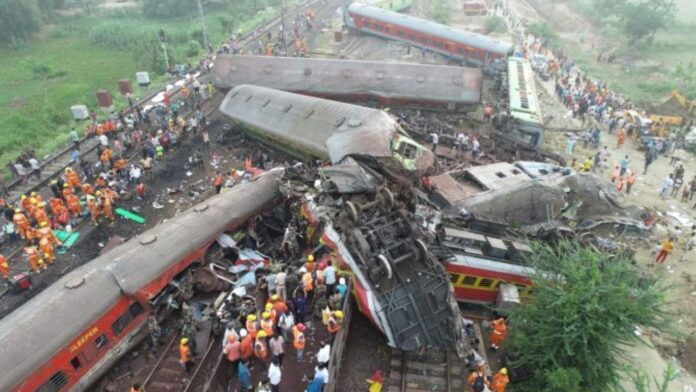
(193, 49)
(542, 30)
(494, 24)
(441, 13)
(168, 8)
(123, 35)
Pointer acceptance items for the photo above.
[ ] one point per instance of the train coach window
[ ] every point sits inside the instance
(75, 362)
(101, 341)
(454, 278)
(122, 322)
(485, 282)
(469, 280)
(55, 383)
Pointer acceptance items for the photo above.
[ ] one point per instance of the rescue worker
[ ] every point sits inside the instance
(269, 309)
(477, 380)
(34, 258)
(310, 265)
(252, 326)
(185, 354)
(107, 208)
(36, 196)
(335, 322)
(62, 216)
(72, 178)
(261, 348)
(498, 332)
(279, 306)
(87, 189)
(25, 202)
(66, 191)
(46, 246)
(308, 285)
(267, 323)
(21, 222)
(32, 236)
(246, 345)
(298, 340)
(4, 267)
(137, 388)
(93, 209)
(40, 214)
(500, 381)
(55, 202)
(74, 205)
(217, 182)
(46, 232)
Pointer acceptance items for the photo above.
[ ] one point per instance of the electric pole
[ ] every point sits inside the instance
(205, 32)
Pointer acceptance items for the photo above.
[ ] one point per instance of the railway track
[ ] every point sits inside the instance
(56, 163)
(433, 371)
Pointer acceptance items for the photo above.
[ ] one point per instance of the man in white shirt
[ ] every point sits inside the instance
(324, 354)
(274, 375)
(436, 139)
(103, 140)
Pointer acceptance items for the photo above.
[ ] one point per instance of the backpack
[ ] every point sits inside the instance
(478, 385)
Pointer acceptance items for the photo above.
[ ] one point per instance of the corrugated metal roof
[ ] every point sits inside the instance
(419, 82)
(466, 37)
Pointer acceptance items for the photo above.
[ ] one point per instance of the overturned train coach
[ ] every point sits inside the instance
(435, 87)
(463, 45)
(67, 336)
(322, 129)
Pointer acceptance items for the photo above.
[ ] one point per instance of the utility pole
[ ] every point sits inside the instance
(162, 39)
(205, 32)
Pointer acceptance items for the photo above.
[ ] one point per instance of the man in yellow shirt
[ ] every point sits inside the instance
(666, 249)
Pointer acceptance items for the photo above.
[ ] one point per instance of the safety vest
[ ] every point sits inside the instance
(184, 353)
(299, 339)
(252, 328)
(267, 326)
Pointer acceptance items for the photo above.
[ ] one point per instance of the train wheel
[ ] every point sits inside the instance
(352, 211)
(386, 197)
(382, 259)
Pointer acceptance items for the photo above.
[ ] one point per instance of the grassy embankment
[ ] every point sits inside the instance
(72, 59)
(643, 73)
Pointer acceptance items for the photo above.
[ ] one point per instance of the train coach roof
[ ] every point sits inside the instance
(146, 258)
(426, 26)
(320, 127)
(351, 77)
(45, 324)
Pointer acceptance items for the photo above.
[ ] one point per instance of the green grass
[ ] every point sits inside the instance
(649, 78)
(41, 79)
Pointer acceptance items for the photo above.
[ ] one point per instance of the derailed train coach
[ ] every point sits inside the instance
(430, 87)
(70, 334)
(469, 47)
(321, 129)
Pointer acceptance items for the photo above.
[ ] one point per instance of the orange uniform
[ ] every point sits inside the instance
(298, 340)
(498, 333)
(500, 382)
(267, 325)
(246, 347)
(93, 210)
(21, 221)
(46, 246)
(307, 282)
(73, 179)
(107, 208)
(55, 203)
(67, 191)
(34, 258)
(184, 353)
(62, 216)
(46, 232)
(252, 328)
(26, 202)
(74, 205)
(31, 234)
(4, 267)
(87, 189)
(40, 215)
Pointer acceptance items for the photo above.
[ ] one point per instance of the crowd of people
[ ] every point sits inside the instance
(296, 301)
(92, 187)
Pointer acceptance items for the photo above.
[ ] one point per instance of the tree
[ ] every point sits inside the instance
(19, 19)
(642, 20)
(585, 308)
(685, 73)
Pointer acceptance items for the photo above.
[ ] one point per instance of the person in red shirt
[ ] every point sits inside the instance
(233, 351)
(217, 182)
(246, 346)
